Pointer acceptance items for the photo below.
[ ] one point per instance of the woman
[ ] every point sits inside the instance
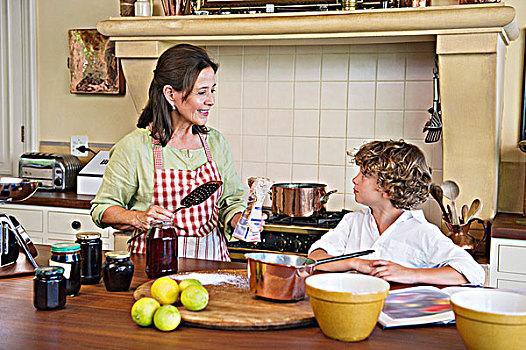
(170, 154)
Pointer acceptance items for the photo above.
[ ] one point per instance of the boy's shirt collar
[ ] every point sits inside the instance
(417, 214)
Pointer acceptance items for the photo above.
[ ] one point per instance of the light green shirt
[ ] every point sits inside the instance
(129, 177)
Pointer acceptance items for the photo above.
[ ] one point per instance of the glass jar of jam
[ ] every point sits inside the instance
(161, 250)
(49, 288)
(90, 257)
(67, 256)
(117, 271)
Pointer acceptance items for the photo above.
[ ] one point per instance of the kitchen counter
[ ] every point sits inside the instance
(100, 319)
(68, 199)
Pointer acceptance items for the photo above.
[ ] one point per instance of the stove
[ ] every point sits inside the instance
(285, 234)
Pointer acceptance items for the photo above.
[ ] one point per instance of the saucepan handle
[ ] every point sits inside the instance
(343, 257)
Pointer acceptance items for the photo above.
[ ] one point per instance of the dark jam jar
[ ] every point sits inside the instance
(49, 288)
(117, 271)
(161, 250)
(90, 257)
(67, 256)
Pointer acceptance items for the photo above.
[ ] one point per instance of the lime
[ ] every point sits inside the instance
(189, 282)
(143, 310)
(165, 290)
(167, 318)
(194, 298)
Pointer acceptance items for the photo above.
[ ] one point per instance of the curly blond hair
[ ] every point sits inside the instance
(401, 170)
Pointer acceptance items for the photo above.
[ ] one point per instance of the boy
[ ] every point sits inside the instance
(393, 179)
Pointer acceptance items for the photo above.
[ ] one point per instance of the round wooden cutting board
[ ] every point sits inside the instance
(232, 306)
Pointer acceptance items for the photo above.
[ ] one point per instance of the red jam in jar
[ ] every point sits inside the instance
(67, 256)
(49, 288)
(90, 257)
(161, 250)
(117, 271)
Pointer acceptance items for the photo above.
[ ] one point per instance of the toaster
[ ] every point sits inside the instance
(55, 172)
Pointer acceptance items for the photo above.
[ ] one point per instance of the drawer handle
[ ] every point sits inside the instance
(75, 225)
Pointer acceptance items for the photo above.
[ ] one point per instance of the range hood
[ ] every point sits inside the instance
(470, 41)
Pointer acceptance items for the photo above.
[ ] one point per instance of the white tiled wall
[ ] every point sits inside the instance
(290, 113)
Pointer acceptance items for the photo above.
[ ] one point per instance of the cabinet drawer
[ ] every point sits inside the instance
(72, 223)
(31, 220)
(510, 284)
(512, 259)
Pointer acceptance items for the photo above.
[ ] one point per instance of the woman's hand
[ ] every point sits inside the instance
(392, 272)
(144, 219)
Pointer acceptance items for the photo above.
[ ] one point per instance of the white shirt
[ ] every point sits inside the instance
(410, 241)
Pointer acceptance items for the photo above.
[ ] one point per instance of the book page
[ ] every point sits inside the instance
(416, 306)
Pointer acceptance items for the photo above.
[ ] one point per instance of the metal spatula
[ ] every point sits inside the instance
(197, 196)
(434, 124)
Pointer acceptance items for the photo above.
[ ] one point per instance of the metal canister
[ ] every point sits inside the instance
(90, 257)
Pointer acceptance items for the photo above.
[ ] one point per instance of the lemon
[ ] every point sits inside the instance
(189, 282)
(165, 290)
(167, 318)
(143, 310)
(194, 298)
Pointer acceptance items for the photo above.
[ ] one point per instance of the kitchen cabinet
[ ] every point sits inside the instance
(508, 252)
(49, 225)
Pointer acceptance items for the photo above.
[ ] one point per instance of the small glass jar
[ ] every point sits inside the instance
(117, 271)
(67, 256)
(49, 288)
(90, 257)
(161, 250)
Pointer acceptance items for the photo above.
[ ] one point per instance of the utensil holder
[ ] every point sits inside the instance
(461, 236)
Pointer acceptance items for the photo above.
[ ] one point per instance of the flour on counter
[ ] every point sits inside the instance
(217, 279)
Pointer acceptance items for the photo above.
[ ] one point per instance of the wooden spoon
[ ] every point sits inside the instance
(437, 194)
(464, 214)
(451, 192)
(474, 209)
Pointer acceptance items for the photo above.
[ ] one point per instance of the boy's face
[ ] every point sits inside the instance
(367, 191)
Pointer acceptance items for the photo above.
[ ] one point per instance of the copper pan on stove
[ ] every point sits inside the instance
(282, 276)
(299, 199)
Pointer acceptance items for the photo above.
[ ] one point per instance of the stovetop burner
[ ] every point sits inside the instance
(327, 220)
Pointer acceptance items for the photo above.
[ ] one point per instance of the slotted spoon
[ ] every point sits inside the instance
(197, 196)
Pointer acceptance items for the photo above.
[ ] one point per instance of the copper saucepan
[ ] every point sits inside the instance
(299, 199)
(282, 276)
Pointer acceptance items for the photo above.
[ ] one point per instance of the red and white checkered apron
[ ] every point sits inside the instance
(199, 236)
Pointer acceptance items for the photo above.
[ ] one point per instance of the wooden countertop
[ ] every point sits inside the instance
(68, 199)
(505, 226)
(100, 319)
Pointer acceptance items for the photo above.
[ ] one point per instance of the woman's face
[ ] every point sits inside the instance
(196, 108)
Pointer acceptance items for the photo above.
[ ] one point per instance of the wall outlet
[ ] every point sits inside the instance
(76, 142)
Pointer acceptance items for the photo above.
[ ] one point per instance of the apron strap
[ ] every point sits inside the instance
(157, 154)
(205, 145)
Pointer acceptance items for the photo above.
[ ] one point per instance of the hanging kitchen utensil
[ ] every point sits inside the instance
(197, 196)
(282, 276)
(451, 192)
(434, 124)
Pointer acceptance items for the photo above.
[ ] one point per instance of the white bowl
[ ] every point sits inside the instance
(490, 319)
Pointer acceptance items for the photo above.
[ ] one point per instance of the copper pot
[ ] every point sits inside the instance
(299, 199)
(282, 276)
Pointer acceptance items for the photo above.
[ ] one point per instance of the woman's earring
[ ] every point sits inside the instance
(174, 108)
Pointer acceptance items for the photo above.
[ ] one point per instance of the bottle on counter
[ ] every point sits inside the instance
(161, 250)
(143, 8)
(67, 256)
(117, 271)
(90, 257)
(49, 288)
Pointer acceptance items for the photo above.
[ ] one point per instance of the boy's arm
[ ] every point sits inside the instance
(393, 272)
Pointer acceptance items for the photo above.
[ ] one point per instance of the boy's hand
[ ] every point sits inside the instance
(392, 272)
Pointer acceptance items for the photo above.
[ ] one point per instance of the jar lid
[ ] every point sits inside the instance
(117, 254)
(49, 271)
(88, 235)
(65, 247)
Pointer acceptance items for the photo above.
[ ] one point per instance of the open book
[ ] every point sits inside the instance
(416, 306)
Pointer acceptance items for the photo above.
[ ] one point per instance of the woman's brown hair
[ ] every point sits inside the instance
(401, 170)
(179, 67)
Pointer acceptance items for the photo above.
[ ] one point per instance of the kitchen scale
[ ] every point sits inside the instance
(13, 236)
